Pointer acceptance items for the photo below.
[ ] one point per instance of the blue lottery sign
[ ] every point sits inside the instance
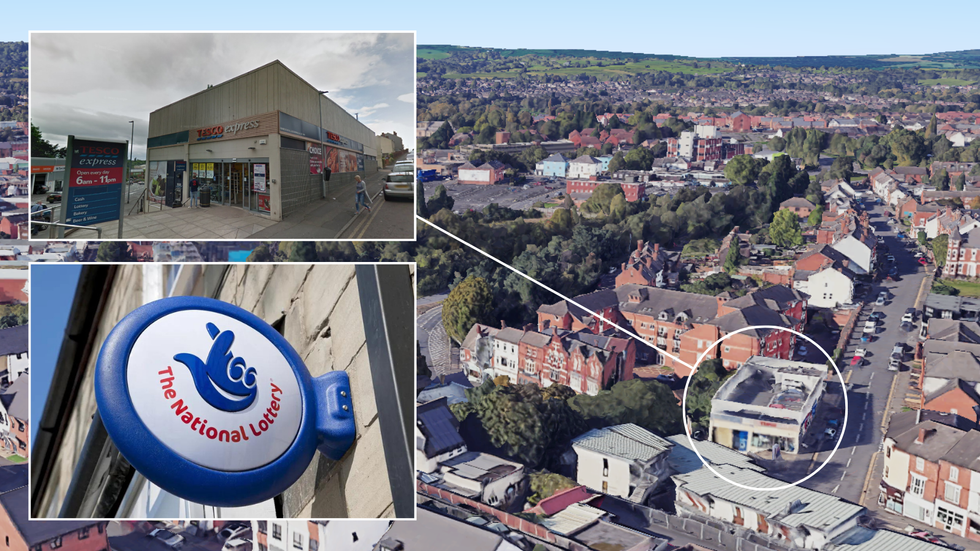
(213, 405)
(96, 170)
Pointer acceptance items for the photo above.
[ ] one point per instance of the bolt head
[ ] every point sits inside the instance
(346, 408)
(343, 393)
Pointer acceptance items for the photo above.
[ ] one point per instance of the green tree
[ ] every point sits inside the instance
(469, 303)
(545, 484)
(960, 182)
(931, 129)
(114, 251)
(12, 315)
(816, 217)
(777, 143)
(439, 200)
(421, 366)
(922, 238)
(302, 251)
(260, 254)
(842, 168)
(785, 229)
(646, 403)
(704, 384)
(939, 247)
(420, 206)
(43, 148)
(617, 163)
(742, 169)
(941, 180)
(602, 198)
(561, 221)
(733, 257)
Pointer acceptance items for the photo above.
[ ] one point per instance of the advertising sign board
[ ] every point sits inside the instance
(96, 170)
(212, 404)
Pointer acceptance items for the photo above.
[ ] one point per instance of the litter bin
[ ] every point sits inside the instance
(205, 197)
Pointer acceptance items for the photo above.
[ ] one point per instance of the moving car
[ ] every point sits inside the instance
(171, 540)
(400, 182)
(54, 198)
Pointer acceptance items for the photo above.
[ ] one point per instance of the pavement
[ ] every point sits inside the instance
(433, 340)
(322, 219)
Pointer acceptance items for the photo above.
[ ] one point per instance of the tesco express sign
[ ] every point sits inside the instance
(212, 404)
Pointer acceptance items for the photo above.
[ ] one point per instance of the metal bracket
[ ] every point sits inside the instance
(335, 426)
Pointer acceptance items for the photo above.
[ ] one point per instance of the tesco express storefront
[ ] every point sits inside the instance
(270, 163)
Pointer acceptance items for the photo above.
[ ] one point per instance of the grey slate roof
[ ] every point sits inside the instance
(796, 202)
(943, 430)
(556, 158)
(434, 531)
(818, 511)
(15, 398)
(627, 441)
(866, 539)
(951, 330)
(966, 452)
(33, 532)
(13, 340)
(953, 364)
(683, 459)
(439, 426)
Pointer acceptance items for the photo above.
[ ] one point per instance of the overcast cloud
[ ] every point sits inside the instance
(93, 84)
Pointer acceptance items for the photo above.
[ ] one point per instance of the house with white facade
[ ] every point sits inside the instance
(584, 166)
(860, 247)
(829, 287)
(506, 352)
(14, 356)
(622, 460)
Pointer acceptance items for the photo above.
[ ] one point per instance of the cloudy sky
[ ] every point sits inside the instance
(93, 84)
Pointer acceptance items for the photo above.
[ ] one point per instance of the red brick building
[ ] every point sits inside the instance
(647, 265)
(18, 533)
(685, 325)
(740, 122)
(799, 206)
(580, 189)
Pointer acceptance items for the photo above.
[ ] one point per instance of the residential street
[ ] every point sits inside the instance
(388, 219)
(874, 393)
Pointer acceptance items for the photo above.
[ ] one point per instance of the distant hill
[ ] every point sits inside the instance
(966, 59)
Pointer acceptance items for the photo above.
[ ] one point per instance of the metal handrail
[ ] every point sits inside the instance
(139, 202)
(72, 226)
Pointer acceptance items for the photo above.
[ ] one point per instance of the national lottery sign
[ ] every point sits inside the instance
(96, 170)
(213, 405)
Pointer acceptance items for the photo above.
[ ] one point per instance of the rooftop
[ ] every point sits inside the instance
(794, 506)
(772, 383)
(627, 441)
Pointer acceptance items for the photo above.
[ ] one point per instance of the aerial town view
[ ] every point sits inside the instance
(672, 292)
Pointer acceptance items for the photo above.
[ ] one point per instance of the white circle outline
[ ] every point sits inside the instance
(687, 429)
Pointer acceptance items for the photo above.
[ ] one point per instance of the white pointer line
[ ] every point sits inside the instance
(566, 299)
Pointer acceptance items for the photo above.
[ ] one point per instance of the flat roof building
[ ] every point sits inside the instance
(260, 141)
(768, 401)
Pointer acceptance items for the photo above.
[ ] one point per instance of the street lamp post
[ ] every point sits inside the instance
(132, 133)
(319, 131)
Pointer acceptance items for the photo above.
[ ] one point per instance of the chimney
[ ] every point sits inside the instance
(918, 416)
(656, 248)
(922, 435)
(639, 245)
(503, 324)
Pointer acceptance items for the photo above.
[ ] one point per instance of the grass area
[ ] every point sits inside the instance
(966, 288)
(16, 459)
(552, 205)
(945, 82)
(420, 74)
(429, 53)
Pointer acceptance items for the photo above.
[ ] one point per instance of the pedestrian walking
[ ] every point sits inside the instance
(360, 195)
(194, 194)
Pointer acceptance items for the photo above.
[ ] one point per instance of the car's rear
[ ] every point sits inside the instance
(400, 182)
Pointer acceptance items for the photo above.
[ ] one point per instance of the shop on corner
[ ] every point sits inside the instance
(253, 143)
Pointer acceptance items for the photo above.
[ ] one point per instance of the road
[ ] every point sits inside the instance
(871, 384)
(431, 322)
(388, 219)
